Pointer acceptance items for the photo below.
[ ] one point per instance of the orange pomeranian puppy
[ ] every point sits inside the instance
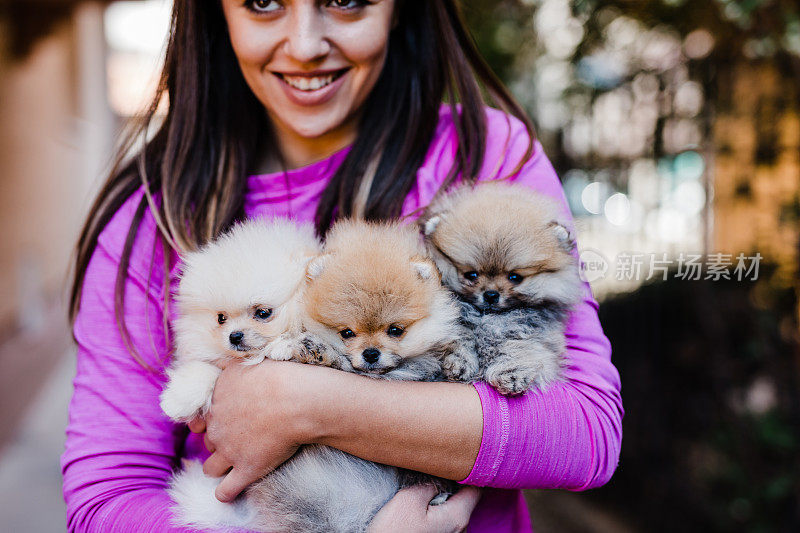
(376, 302)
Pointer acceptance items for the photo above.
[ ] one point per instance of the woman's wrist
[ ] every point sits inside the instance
(431, 427)
(312, 394)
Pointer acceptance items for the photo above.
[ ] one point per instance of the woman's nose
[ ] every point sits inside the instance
(306, 38)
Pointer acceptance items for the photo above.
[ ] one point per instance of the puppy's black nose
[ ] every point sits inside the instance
(236, 338)
(371, 355)
(491, 297)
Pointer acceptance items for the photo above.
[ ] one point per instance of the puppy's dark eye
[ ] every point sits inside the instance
(395, 331)
(514, 278)
(263, 314)
(221, 318)
(471, 275)
(347, 333)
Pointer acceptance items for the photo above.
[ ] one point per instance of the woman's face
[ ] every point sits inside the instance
(312, 63)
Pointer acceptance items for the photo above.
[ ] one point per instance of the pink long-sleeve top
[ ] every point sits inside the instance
(121, 450)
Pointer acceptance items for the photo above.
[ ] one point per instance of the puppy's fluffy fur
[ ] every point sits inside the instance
(319, 490)
(505, 251)
(374, 281)
(375, 301)
(236, 296)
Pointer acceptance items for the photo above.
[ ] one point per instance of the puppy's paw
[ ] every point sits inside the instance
(284, 348)
(189, 390)
(510, 381)
(315, 352)
(458, 367)
(179, 407)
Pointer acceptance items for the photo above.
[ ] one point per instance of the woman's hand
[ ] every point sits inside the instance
(261, 414)
(409, 511)
(256, 422)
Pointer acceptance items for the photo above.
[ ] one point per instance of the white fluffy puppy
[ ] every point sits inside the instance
(237, 296)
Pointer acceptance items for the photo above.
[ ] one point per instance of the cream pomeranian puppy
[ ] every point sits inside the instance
(238, 298)
(373, 304)
(505, 251)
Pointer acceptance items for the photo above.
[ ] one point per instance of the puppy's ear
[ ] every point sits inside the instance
(431, 224)
(563, 234)
(425, 269)
(316, 266)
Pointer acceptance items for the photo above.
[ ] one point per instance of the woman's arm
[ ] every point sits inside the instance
(565, 437)
(120, 450)
(261, 414)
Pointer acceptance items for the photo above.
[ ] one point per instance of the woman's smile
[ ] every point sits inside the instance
(311, 88)
(311, 81)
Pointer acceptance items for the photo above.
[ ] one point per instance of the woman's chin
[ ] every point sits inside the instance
(313, 128)
(313, 133)
(313, 122)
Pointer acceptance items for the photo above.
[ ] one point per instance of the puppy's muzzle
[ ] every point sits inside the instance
(491, 297)
(371, 355)
(236, 338)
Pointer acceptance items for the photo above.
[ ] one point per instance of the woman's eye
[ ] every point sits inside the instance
(221, 318)
(347, 333)
(471, 275)
(348, 4)
(262, 6)
(395, 331)
(514, 278)
(263, 314)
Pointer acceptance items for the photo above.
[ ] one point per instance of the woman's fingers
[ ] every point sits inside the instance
(416, 495)
(216, 465)
(406, 509)
(454, 514)
(234, 483)
(197, 424)
(409, 510)
(209, 445)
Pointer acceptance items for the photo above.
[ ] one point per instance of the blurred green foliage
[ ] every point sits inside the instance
(500, 28)
(737, 25)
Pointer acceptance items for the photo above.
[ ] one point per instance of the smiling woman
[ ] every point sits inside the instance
(318, 110)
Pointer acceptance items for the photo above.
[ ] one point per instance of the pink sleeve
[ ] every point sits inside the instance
(120, 449)
(569, 435)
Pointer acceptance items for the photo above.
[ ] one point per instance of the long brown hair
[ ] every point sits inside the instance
(193, 166)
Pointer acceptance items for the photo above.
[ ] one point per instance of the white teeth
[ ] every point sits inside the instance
(309, 84)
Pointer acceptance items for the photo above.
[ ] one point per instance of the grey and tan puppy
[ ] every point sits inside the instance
(507, 254)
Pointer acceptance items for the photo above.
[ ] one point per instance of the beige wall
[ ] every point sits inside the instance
(45, 160)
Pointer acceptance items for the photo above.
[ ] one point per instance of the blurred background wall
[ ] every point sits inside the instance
(54, 136)
(675, 128)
